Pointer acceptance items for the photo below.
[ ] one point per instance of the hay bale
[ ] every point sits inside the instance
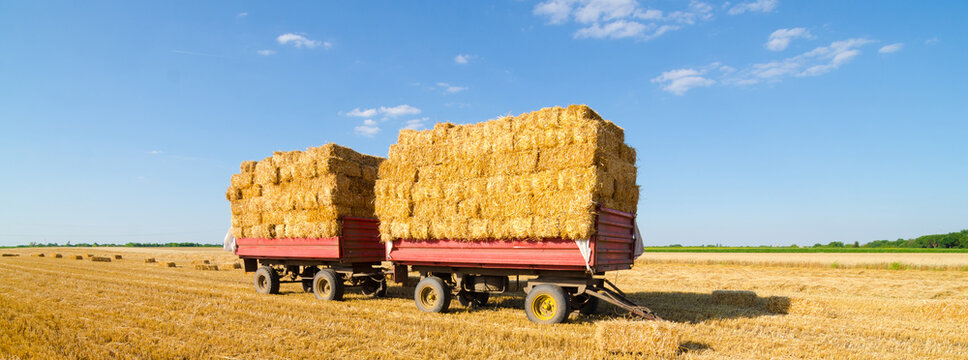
(200, 262)
(166, 264)
(117, 257)
(78, 257)
(301, 194)
(100, 259)
(90, 255)
(778, 304)
(38, 255)
(206, 267)
(230, 266)
(10, 255)
(742, 298)
(150, 260)
(58, 256)
(538, 175)
(654, 339)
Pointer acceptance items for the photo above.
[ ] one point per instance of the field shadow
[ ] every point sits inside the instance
(688, 307)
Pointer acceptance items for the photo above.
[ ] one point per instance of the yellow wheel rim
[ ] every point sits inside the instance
(544, 307)
(428, 297)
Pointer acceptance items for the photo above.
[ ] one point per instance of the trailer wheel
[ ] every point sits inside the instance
(373, 288)
(546, 304)
(432, 295)
(327, 285)
(266, 280)
(307, 285)
(473, 299)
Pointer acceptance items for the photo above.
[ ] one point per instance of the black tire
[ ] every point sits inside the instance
(327, 285)
(373, 288)
(266, 280)
(546, 304)
(307, 285)
(432, 295)
(590, 306)
(473, 299)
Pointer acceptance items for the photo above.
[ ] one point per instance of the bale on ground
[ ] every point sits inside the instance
(117, 257)
(647, 338)
(167, 264)
(206, 267)
(230, 266)
(39, 255)
(10, 255)
(200, 262)
(778, 304)
(149, 260)
(78, 257)
(100, 259)
(743, 298)
(58, 256)
(90, 255)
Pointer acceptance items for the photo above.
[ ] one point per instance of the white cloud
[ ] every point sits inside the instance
(399, 110)
(681, 80)
(892, 48)
(463, 58)
(266, 52)
(780, 39)
(242, 14)
(362, 113)
(818, 61)
(613, 30)
(450, 89)
(327, 45)
(155, 152)
(753, 6)
(815, 62)
(416, 124)
(932, 41)
(368, 129)
(618, 19)
(300, 41)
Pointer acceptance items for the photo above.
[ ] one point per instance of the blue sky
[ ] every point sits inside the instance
(756, 122)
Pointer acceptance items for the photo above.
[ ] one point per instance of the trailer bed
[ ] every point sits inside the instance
(359, 243)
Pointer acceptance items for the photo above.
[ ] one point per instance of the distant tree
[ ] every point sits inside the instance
(836, 244)
(856, 244)
(818, 245)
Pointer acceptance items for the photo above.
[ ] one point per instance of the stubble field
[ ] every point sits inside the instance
(66, 308)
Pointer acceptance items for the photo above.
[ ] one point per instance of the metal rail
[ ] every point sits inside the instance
(613, 295)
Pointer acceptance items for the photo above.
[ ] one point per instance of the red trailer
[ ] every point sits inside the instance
(567, 274)
(324, 266)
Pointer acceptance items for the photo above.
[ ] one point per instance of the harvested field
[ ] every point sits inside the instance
(147, 311)
(897, 261)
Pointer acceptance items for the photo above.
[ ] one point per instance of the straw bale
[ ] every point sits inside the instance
(247, 167)
(117, 257)
(743, 298)
(242, 181)
(230, 266)
(150, 260)
(78, 257)
(100, 259)
(58, 256)
(653, 339)
(166, 264)
(206, 267)
(10, 255)
(38, 255)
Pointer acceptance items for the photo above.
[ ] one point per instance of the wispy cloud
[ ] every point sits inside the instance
(892, 48)
(450, 89)
(780, 39)
(932, 41)
(680, 81)
(242, 14)
(301, 41)
(416, 124)
(155, 152)
(819, 61)
(266, 52)
(387, 112)
(618, 19)
(357, 112)
(463, 58)
(369, 128)
(753, 6)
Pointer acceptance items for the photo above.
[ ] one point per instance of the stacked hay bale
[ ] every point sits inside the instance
(535, 176)
(302, 194)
